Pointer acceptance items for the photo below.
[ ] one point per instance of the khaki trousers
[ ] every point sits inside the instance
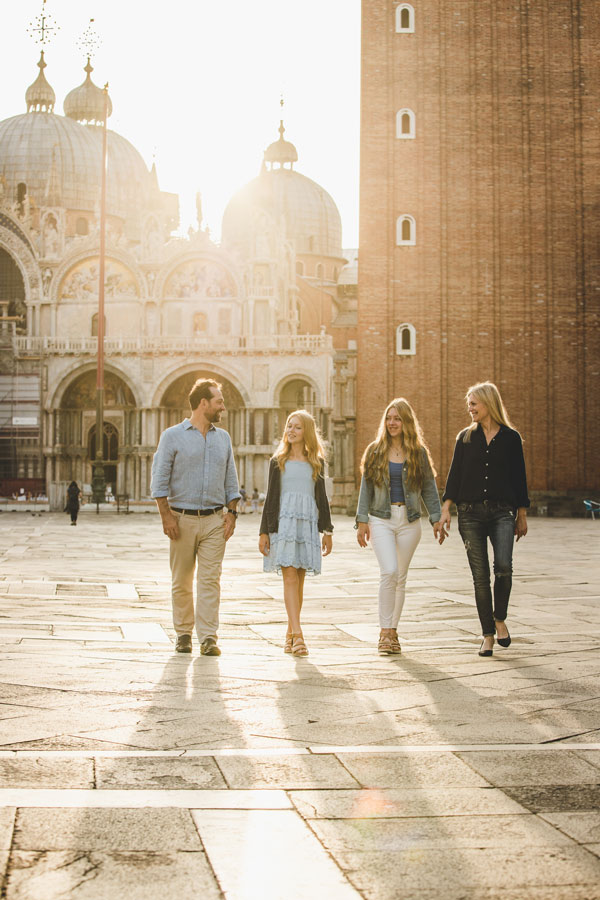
(201, 542)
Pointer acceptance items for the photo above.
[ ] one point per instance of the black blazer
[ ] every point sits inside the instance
(269, 522)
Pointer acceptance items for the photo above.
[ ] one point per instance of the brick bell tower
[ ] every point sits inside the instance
(479, 229)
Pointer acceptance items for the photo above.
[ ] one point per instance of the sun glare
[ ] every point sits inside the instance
(199, 90)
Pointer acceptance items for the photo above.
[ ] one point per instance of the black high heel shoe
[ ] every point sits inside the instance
(485, 652)
(504, 642)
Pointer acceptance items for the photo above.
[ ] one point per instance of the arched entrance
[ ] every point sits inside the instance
(176, 407)
(75, 431)
(299, 393)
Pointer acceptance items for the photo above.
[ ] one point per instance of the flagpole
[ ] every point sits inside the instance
(98, 479)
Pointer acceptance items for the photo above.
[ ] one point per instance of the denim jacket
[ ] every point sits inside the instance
(374, 499)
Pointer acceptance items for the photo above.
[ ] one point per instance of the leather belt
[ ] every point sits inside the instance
(398, 504)
(197, 512)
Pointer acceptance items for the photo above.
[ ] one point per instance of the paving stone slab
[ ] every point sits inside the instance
(393, 835)
(533, 892)
(423, 770)
(532, 768)
(286, 773)
(105, 829)
(269, 854)
(46, 773)
(96, 875)
(557, 798)
(143, 800)
(394, 803)
(173, 774)
(590, 756)
(466, 872)
(584, 827)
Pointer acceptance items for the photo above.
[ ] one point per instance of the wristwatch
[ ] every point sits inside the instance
(232, 512)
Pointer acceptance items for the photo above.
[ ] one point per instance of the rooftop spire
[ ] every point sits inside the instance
(281, 151)
(39, 96)
(86, 103)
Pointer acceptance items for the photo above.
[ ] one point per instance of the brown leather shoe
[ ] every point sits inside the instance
(184, 643)
(209, 647)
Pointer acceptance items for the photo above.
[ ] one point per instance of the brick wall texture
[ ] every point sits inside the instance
(502, 180)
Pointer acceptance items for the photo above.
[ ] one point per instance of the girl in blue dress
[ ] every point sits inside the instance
(296, 511)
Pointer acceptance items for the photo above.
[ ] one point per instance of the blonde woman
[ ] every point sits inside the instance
(488, 483)
(296, 509)
(397, 473)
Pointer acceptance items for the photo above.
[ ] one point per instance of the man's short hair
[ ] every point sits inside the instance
(202, 390)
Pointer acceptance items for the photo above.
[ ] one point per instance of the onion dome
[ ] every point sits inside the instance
(312, 220)
(39, 96)
(62, 159)
(86, 103)
(281, 151)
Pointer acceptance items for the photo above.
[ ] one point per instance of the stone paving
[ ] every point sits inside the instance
(127, 770)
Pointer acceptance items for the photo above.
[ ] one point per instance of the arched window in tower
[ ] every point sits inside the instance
(406, 340)
(299, 267)
(320, 271)
(82, 226)
(406, 231)
(405, 124)
(405, 19)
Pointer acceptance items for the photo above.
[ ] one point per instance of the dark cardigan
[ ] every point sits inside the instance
(269, 524)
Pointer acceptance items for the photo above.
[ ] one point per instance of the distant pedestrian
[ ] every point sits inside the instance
(488, 483)
(397, 473)
(193, 479)
(255, 500)
(72, 503)
(242, 503)
(296, 509)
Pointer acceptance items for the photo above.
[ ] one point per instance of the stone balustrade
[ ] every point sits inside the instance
(239, 344)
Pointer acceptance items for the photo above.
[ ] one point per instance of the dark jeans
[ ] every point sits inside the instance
(476, 523)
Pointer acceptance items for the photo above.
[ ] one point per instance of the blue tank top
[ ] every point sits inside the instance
(396, 488)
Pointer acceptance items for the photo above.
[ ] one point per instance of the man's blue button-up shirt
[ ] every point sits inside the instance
(194, 472)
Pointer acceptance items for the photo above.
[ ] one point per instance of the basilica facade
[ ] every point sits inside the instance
(270, 312)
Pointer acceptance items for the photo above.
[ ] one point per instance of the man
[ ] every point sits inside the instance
(193, 480)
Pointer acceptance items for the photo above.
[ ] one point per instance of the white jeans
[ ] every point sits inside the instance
(394, 542)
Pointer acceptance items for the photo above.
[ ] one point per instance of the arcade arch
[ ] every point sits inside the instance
(71, 426)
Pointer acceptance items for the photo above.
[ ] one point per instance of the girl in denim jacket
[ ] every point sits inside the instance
(397, 473)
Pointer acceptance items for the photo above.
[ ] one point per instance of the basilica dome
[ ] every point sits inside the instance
(312, 219)
(59, 159)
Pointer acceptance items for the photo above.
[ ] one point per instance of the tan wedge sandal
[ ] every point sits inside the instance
(298, 646)
(287, 647)
(385, 646)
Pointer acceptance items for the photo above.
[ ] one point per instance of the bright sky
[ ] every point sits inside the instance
(196, 84)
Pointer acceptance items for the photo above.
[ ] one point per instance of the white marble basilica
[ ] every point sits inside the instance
(270, 312)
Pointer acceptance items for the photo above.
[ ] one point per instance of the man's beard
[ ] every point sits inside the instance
(214, 417)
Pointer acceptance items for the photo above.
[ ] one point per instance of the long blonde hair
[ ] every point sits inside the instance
(374, 464)
(488, 394)
(313, 443)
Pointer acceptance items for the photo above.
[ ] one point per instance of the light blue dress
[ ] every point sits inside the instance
(297, 542)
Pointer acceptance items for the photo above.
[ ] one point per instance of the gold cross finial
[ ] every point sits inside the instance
(43, 28)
